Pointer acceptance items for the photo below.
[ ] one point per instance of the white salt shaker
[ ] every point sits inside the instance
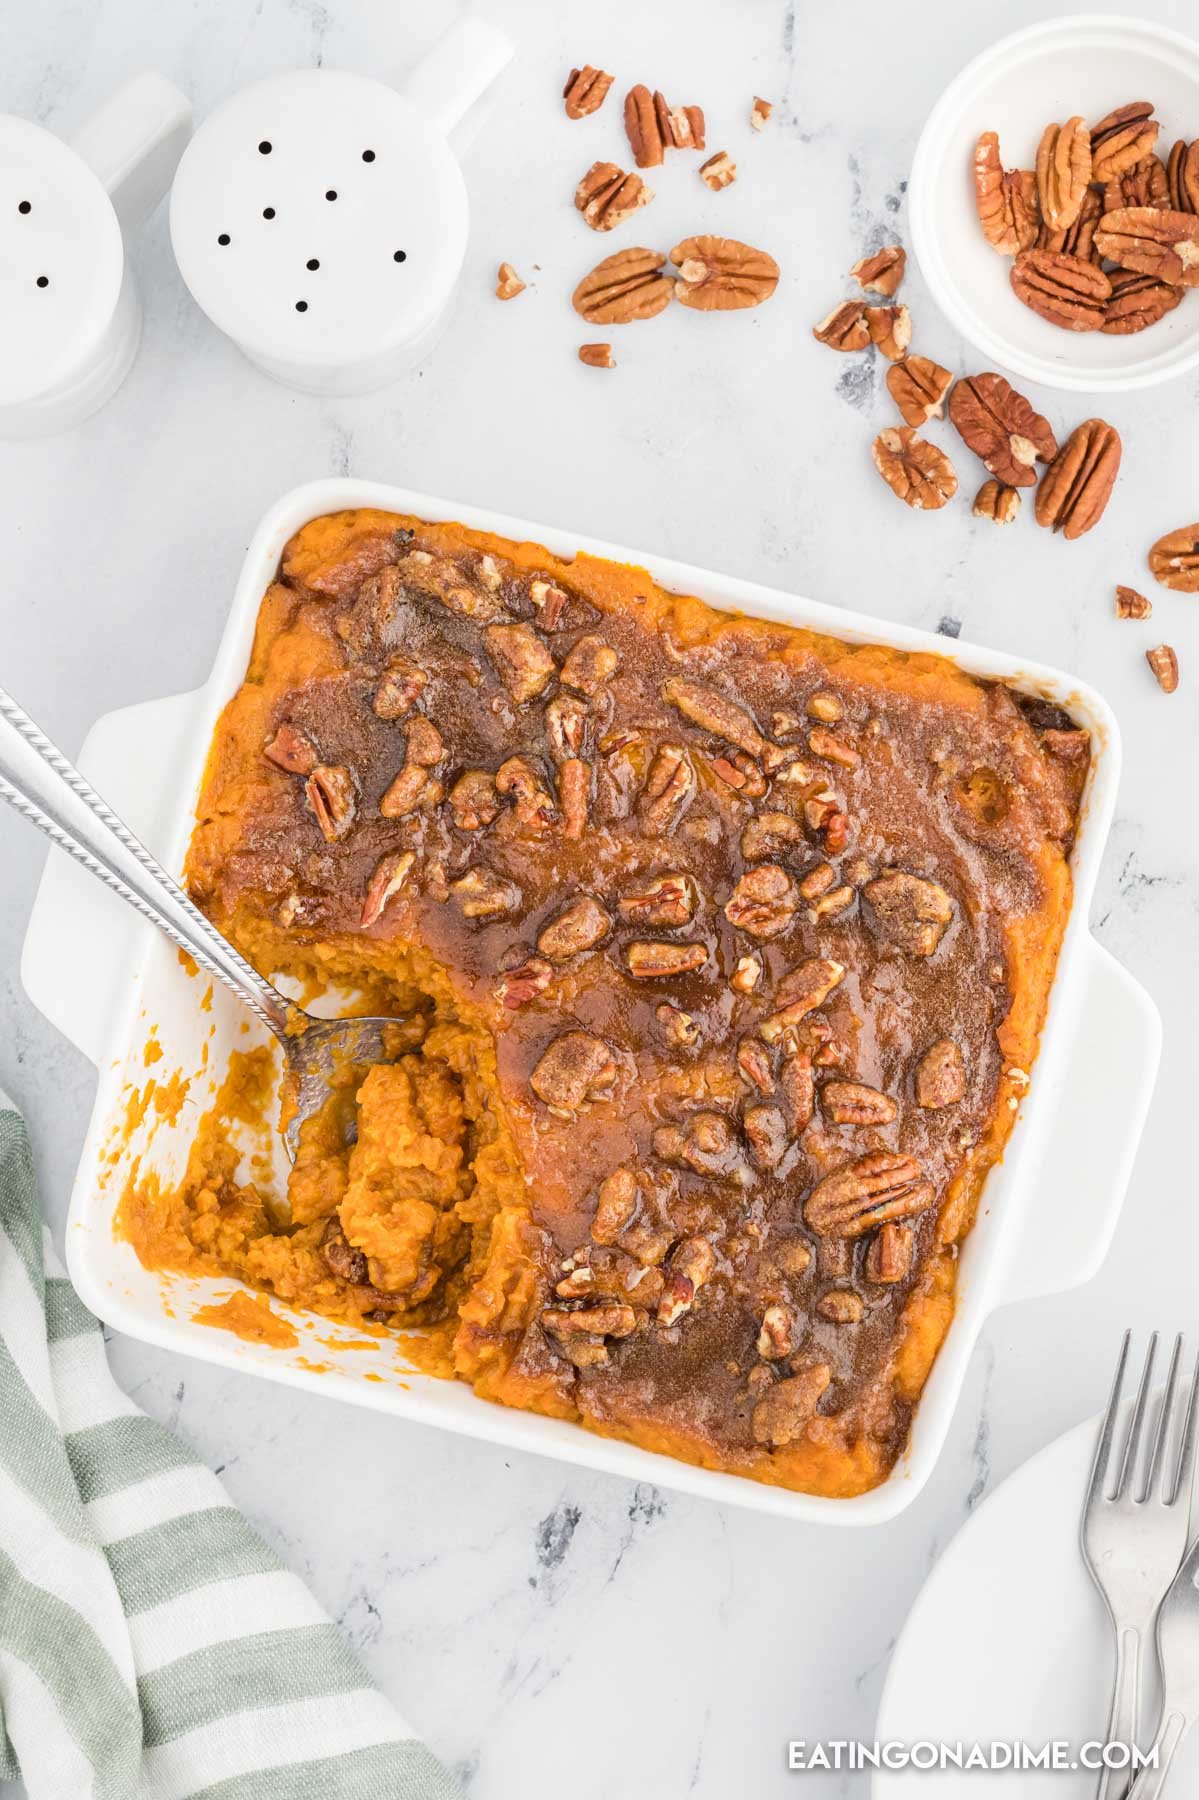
(71, 319)
(320, 217)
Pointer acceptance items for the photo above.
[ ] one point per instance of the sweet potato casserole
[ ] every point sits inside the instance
(721, 950)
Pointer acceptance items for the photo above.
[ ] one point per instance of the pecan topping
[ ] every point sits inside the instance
(668, 788)
(668, 900)
(1163, 660)
(473, 800)
(918, 387)
(1174, 559)
(866, 1193)
(578, 927)
(289, 749)
(996, 502)
(485, 896)
(624, 287)
(533, 805)
(741, 772)
(690, 1268)
(678, 1027)
(841, 1306)
(1137, 301)
(764, 901)
(566, 726)
(1001, 428)
(920, 473)
(755, 1064)
(516, 987)
(424, 747)
(442, 581)
(830, 748)
(770, 834)
(524, 664)
(1154, 240)
(575, 1069)
(1182, 177)
(746, 974)
(760, 112)
(1063, 172)
(1078, 483)
(1131, 605)
(776, 1339)
(882, 271)
(797, 1090)
(940, 1076)
(611, 1318)
(340, 1256)
(890, 328)
(400, 687)
(550, 603)
(912, 913)
(889, 1254)
(597, 356)
(783, 1413)
(585, 91)
(851, 1103)
(574, 793)
(719, 274)
(766, 1135)
(704, 707)
(589, 665)
(1122, 140)
(607, 196)
(406, 792)
(508, 283)
(707, 1145)
(1006, 200)
(720, 171)
(845, 328)
(1063, 289)
(654, 960)
(390, 874)
(615, 1206)
(807, 986)
(333, 798)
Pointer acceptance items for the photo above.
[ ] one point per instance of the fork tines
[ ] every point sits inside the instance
(1130, 1461)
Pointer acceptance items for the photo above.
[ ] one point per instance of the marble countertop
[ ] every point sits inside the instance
(551, 1631)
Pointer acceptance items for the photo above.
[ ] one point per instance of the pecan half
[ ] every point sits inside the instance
(516, 987)
(483, 895)
(766, 1135)
(291, 750)
(668, 900)
(784, 1412)
(852, 1103)
(1063, 289)
(1154, 240)
(889, 1254)
(940, 1076)
(1182, 177)
(918, 387)
(1174, 559)
(333, 798)
(579, 926)
(918, 472)
(797, 1091)
(607, 195)
(800, 992)
(1006, 200)
(473, 800)
(1121, 140)
(1078, 484)
(669, 786)
(612, 1318)
(912, 912)
(574, 795)
(1063, 171)
(764, 901)
(642, 127)
(400, 687)
(1144, 184)
(623, 288)
(508, 283)
(577, 1067)
(755, 1064)
(845, 328)
(882, 271)
(1131, 605)
(521, 659)
(679, 127)
(615, 1205)
(390, 874)
(1137, 301)
(890, 329)
(655, 960)
(1163, 660)
(585, 91)
(590, 664)
(1077, 239)
(720, 274)
(705, 707)
(869, 1192)
(1001, 428)
(720, 171)
(996, 502)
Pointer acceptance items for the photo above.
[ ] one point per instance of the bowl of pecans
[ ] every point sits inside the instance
(1054, 203)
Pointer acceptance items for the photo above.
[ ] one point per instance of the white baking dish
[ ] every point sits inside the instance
(105, 979)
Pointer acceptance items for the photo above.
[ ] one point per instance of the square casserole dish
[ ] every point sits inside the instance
(109, 982)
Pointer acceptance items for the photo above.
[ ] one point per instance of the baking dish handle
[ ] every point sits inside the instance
(80, 952)
(1096, 1129)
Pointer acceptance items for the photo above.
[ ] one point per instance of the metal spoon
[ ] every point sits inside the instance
(51, 793)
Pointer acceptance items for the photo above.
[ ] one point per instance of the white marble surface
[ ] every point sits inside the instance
(549, 1631)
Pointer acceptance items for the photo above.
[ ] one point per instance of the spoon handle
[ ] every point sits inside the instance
(50, 792)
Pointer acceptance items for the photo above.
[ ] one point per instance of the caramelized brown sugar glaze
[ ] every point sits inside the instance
(724, 949)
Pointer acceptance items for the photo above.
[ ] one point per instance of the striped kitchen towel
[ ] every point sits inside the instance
(151, 1646)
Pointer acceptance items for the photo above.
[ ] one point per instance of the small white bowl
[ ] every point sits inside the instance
(1086, 64)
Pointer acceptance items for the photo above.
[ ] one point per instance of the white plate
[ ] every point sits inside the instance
(1009, 1641)
(1088, 65)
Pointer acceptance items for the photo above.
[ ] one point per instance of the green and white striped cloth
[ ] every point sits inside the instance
(151, 1646)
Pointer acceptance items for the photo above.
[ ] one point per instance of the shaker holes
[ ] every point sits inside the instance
(301, 306)
(312, 263)
(368, 156)
(268, 212)
(224, 238)
(330, 193)
(43, 281)
(24, 207)
(400, 256)
(264, 149)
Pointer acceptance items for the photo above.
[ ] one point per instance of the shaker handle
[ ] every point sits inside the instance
(133, 143)
(457, 71)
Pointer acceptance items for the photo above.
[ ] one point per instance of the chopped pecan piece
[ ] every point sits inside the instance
(1174, 559)
(1137, 302)
(760, 112)
(920, 473)
(533, 804)
(597, 356)
(623, 288)
(1006, 199)
(797, 1089)
(1182, 177)
(1131, 605)
(998, 503)
(566, 726)
(580, 926)
(830, 748)
(1063, 289)
(747, 973)
(740, 771)
(852, 1103)
(755, 1064)
(1122, 140)
(719, 274)
(443, 581)
(679, 127)
(585, 91)
(845, 328)
(508, 283)
(589, 666)
(678, 1027)
(400, 687)
(615, 1206)
(1155, 240)
(825, 706)
(784, 1412)
(575, 1069)
(1063, 172)
(764, 901)
(549, 602)
(918, 387)
(841, 1306)
(912, 912)
(524, 664)
(720, 171)
(1001, 428)
(766, 1135)
(424, 747)
(516, 987)
(611, 1318)
(940, 1076)
(289, 749)
(832, 903)
(890, 329)
(1078, 484)
(643, 129)
(865, 1193)
(607, 196)
(333, 798)
(341, 1258)
(667, 900)
(1163, 660)
(800, 992)
(473, 800)
(776, 1338)
(406, 792)
(391, 872)
(574, 793)
(1145, 184)
(770, 834)
(818, 881)
(655, 960)
(707, 1145)
(484, 895)
(889, 1254)
(690, 1268)
(882, 271)
(669, 785)
(704, 707)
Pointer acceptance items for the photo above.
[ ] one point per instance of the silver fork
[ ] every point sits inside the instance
(1178, 1651)
(1134, 1537)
